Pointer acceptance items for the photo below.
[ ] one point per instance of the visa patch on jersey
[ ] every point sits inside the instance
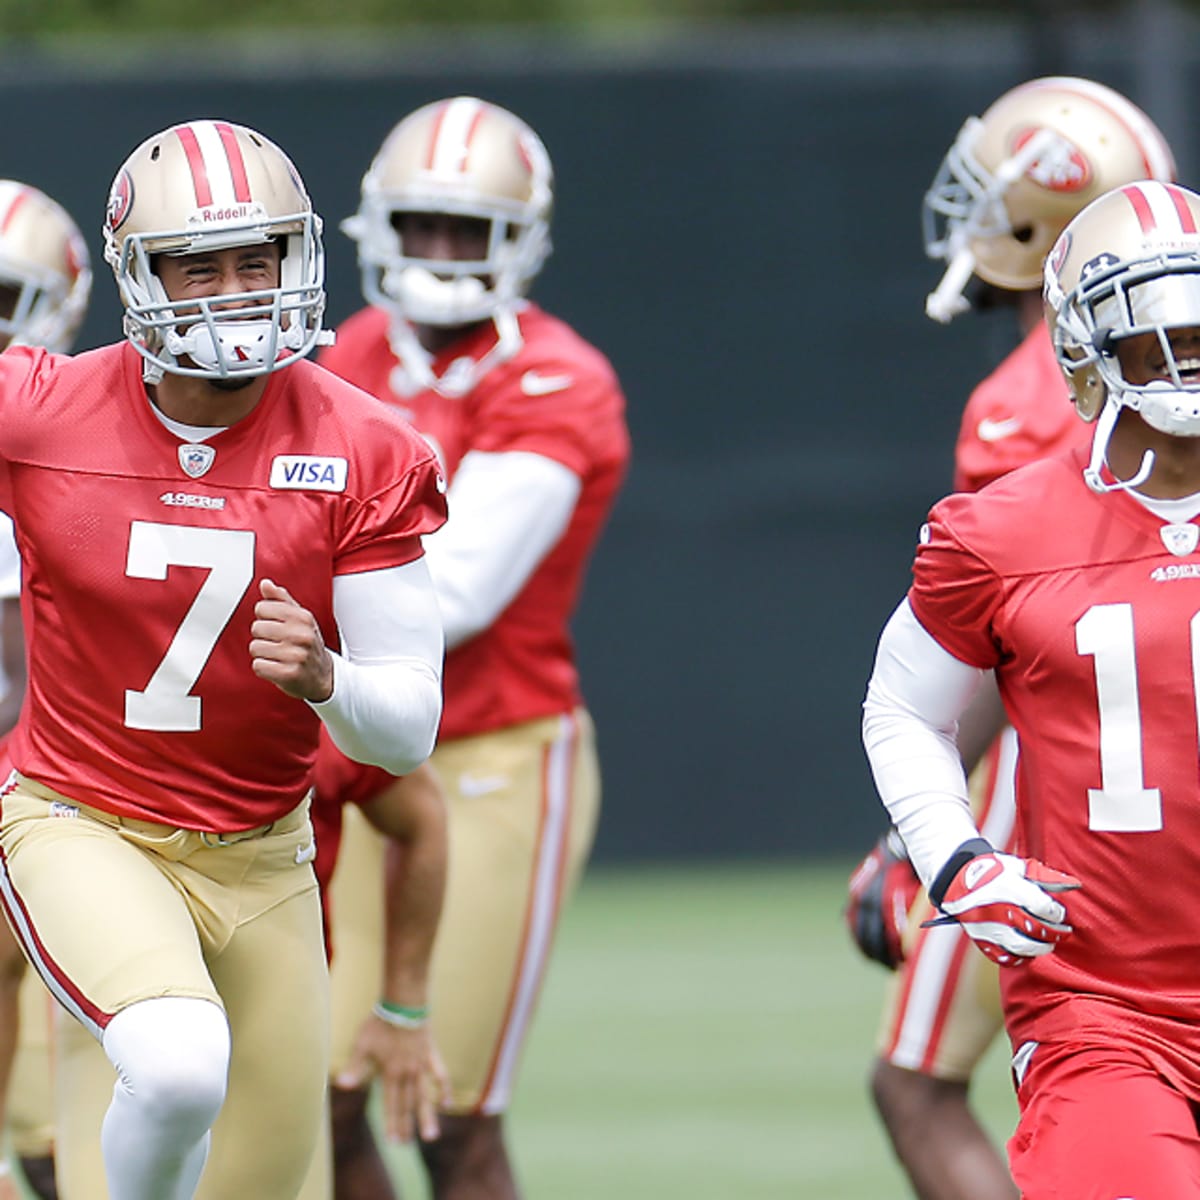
(308, 472)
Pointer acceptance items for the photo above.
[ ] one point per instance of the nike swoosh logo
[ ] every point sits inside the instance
(990, 430)
(533, 384)
(481, 785)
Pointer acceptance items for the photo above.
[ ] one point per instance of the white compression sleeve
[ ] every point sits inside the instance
(387, 683)
(910, 719)
(506, 513)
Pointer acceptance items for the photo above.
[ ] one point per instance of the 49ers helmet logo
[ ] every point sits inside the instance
(1059, 252)
(120, 200)
(1061, 168)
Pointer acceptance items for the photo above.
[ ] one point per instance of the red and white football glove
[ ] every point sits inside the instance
(882, 890)
(1006, 905)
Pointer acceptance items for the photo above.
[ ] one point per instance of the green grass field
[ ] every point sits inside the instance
(706, 1033)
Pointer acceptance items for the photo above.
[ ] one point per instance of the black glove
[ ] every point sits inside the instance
(882, 890)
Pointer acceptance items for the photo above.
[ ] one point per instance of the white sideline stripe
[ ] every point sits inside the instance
(551, 851)
(216, 162)
(450, 152)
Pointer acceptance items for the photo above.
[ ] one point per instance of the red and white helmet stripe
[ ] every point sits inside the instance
(12, 203)
(1160, 208)
(454, 130)
(215, 158)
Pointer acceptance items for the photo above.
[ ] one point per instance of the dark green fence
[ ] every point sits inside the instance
(738, 226)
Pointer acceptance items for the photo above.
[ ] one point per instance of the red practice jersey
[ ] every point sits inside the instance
(1021, 412)
(557, 397)
(141, 560)
(1088, 608)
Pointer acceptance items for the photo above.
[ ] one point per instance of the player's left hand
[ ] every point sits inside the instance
(412, 1078)
(1007, 905)
(286, 646)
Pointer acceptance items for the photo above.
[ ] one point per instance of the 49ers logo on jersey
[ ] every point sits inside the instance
(1062, 167)
(120, 200)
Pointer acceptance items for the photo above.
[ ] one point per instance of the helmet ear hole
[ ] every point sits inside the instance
(1089, 398)
(1023, 234)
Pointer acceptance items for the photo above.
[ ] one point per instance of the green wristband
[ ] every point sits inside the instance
(400, 1015)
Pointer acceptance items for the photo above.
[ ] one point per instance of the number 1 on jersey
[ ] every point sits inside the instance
(1122, 803)
(228, 554)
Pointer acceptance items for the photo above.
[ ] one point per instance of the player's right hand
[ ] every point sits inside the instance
(882, 890)
(412, 1078)
(1006, 906)
(286, 646)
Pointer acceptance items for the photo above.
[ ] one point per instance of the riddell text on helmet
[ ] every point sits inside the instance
(232, 212)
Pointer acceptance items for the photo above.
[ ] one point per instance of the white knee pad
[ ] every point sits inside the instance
(172, 1059)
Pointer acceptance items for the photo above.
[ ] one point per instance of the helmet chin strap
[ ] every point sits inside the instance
(1105, 424)
(233, 347)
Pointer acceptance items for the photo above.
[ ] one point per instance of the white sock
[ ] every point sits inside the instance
(172, 1061)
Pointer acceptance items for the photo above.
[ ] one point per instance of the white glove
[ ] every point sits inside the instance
(1005, 905)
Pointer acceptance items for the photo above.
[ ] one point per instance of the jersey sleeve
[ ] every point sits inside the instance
(955, 593)
(24, 373)
(565, 424)
(991, 440)
(1020, 413)
(384, 528)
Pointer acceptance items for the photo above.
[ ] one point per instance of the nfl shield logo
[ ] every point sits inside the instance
(195, 460)
(1180, 539)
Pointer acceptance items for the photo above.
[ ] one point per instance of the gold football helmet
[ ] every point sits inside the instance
(205, 186)
(469, 158)
(1015, 176)
(1127, 265)
(44, 270)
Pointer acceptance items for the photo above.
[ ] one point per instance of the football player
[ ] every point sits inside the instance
(1008, 185)
(202, 513)
(528, 420)
(45, 282)
(1075, 580)
(412, 827)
